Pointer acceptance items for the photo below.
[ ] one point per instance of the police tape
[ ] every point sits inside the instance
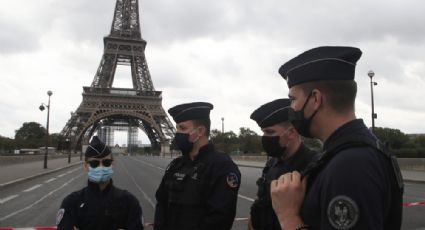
(151, 224)
(414, 204)
(54, 228)
(36, 228)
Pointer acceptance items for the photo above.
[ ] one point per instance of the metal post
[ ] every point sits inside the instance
(69, 151)
(371, 74)
(222, 125)
(47, 130)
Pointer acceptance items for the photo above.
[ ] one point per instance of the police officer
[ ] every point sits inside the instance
(199, 190)
(356, 184)
(100, 205)
(283, 145)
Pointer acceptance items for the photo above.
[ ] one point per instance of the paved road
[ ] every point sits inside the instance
(35, 202)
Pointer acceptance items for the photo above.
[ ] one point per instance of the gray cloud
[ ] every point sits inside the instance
(225, 52)
(16, 39)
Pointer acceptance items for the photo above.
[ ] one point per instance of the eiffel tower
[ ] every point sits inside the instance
(104, 108)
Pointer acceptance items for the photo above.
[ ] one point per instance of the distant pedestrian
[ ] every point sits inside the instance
(100, 205)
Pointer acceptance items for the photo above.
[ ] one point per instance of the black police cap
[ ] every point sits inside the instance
(272, 113)
(191, 111)
(321, 63)
(97, 149)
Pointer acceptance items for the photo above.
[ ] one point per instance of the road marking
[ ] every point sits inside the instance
(4, 200)
(50, 180)
(152, 165)
(241, 218)
(41, 199)
(246, 198)
(61, 175)
(33, 187)
(140, 189)
(36, 175)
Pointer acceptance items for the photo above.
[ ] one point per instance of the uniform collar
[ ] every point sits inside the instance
(351, 127)
(297, 156)
(204, 151)
(95, 186)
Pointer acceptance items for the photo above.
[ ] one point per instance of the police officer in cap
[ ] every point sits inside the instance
(100, 205)
(199, 190)
(356, 184)
(287, 153)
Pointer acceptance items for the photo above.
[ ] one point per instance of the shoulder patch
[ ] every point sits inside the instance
(59, 216)
(232, 180)
(343, 212)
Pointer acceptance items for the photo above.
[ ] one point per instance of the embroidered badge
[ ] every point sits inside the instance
(343, 212)
(232, 180)
(59, 216)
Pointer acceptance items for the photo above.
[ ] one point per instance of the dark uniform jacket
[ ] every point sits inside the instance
(356, 189)
(199, 194)
(92, 209)
(262, 214)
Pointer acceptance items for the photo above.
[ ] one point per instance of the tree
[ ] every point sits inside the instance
(30, 130)
(249, 141)
(420, 141)
(227, 142)
(393, 137)
(30, 135)
(7, 145)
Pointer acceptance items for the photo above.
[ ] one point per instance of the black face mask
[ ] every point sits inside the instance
(301, 124)
(183, 143)
(272, 147)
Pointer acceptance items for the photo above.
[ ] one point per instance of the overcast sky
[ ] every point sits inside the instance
(224, 52)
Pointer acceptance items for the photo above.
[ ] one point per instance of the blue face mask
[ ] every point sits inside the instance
(100, 174)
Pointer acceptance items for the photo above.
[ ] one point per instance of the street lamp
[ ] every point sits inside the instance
(372, 83)
(222, 125)
(67, 145)
(42, 107)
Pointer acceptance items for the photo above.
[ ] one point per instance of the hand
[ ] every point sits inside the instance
(287, 194)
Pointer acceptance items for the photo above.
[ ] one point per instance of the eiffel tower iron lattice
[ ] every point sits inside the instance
(103, 106)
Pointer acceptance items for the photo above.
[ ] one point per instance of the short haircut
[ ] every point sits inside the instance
(203, 122)
(86, 159)
(341, 95)
(285, 124)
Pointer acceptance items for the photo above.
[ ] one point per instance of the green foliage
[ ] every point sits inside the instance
(7, 145)
(419, 141)
(30, 135)
(249, 141)
(227, 142)
(409, 152)
(30, 130)
(393, 137)
(246, 142)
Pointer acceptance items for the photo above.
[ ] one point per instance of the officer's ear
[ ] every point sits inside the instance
(317, 98)
(202, 130)
(86, 165)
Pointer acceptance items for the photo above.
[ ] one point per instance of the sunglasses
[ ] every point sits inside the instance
(105, 162)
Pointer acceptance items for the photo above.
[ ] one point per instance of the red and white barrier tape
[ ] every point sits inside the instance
(53, 228)
(414, 204)
(36, 228)
(151, 224)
